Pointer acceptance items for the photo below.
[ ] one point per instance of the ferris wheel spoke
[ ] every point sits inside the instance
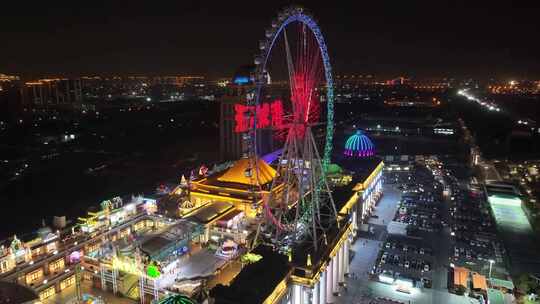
(290, 64)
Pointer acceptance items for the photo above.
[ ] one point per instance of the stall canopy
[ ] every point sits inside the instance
(460, 276)
(479, 281)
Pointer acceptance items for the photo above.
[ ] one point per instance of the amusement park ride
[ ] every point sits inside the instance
(303, 208)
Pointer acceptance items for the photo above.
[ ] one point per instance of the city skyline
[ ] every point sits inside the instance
(414, 39)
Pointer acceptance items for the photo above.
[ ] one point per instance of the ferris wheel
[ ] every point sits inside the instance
(301, 120)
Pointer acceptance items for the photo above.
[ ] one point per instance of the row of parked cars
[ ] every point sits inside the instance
(407, 256)
(420, 211)
(405, 261)
(407, 248)
(473, 229)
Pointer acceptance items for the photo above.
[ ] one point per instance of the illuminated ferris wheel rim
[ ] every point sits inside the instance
(285, 17)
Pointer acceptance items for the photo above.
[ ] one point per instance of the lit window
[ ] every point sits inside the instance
(56, 265)
(47, 293)
(34, 276)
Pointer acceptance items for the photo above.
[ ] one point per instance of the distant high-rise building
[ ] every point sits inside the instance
(230, 141)
(234, 111)
(8, 78)
(10, 97)
(53, 92)
(231, 145)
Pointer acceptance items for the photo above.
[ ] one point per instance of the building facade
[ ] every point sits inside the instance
(56, 91)
(49, 261)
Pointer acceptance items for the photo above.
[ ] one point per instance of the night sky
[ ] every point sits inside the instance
(387, 38)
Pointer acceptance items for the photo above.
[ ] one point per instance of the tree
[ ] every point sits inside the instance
(526, 284)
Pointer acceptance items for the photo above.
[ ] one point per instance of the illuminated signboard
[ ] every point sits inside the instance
(268, 115)
(240, 80)
(250, 258)
(129, 267)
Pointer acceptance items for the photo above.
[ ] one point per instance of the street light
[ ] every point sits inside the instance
(491, 262)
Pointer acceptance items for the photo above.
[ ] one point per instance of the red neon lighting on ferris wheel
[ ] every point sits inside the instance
(307, 72)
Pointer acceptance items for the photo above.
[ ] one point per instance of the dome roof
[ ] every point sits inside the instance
(359, 145)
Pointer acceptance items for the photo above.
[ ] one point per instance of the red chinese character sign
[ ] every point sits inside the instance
(269, 115)
(241, 115)
(263, 116)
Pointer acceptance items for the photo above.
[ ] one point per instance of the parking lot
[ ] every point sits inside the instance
(410, 256)
(422, 253)
(474, 234)
(403, 259)
(415, 265)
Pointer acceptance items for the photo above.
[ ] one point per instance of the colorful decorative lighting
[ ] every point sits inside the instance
(126, 266)
(250, 258)
(359, 145)
(152, 271)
